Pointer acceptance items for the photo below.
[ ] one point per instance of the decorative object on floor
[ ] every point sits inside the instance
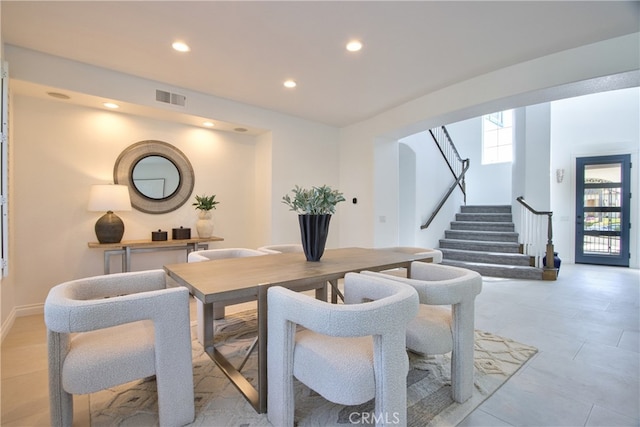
(314, 207)
(114, 329)
(109, 198)
(180, 233)
(556, 261)
(158, 236)
(219, 403)
(204, 204)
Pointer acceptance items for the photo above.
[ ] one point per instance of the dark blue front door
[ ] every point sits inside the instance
(603, 199)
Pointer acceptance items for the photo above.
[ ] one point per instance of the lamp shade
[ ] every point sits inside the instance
(109, 197)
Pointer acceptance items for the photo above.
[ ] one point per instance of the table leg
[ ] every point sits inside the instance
(321, 292)
(107, 262)
(257, 398)
(335, 292)
(127, 259)
(262, 349)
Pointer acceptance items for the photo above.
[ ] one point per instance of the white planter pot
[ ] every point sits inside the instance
(204, 225)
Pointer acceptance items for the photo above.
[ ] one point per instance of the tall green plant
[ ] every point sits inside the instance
(313, 201)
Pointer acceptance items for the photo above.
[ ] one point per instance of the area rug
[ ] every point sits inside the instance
(218, 403)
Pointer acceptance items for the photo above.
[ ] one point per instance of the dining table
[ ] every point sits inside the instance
(229, 279)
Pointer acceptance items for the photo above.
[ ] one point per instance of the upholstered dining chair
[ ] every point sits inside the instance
(348, 353)
(434, 254)
(218, 308)
(445, 322)
(108, 330)
(282, 248)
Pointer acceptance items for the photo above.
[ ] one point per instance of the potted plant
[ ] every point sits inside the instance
(205, 204)
(314, 207)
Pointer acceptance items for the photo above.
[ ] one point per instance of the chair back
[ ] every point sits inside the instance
(211, 254)
(284, 248)
(374, 307)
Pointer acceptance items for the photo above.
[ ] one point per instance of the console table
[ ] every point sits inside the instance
(126, 247)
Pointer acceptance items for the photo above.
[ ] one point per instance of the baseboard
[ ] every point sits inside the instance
(7, 324)
(25, 310)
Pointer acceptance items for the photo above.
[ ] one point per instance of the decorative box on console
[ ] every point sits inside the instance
(180, 233)
(158, 236)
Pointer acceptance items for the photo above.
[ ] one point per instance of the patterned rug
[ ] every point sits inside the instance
(218, 403)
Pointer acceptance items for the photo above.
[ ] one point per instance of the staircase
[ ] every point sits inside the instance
(482, 238)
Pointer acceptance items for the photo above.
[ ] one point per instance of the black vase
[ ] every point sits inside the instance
(314, 230)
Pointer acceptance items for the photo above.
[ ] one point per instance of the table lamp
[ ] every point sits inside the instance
(109, 198)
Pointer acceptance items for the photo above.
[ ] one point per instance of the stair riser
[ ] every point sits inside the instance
(485, 209)
(511, 248)
(486, 258)
(483, 226)
(479, 235)
(484, 217)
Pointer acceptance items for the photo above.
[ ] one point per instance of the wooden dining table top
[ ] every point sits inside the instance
(230, 278)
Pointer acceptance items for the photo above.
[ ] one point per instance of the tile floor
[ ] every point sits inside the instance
(586, 326)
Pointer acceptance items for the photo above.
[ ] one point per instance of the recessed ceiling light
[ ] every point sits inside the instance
(181, 47)
(290, 84)
(241, 129)
(111, 105)
(354, 46)
(208, 124)
(58, 95)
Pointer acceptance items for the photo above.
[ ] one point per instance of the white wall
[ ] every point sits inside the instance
(430, 183)
(486, 184)
(602, 124)
(249, 174)
(552, 77)
(60, 150)
(292, 151)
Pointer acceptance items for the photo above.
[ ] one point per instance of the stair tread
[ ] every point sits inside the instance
(482, 242)
(505, 254)
(504, 266)
(481, 238)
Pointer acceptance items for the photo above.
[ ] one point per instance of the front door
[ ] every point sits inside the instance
(603, 197)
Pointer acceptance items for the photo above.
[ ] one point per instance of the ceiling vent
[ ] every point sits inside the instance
(170, 98)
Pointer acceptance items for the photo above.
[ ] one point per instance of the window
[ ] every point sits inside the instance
(497, 141)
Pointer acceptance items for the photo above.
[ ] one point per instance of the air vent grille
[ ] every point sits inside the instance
(170, 98)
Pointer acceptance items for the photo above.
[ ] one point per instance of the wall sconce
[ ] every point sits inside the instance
(109, 228)
(559, 175)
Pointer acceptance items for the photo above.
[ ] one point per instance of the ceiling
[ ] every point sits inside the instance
(244, 50)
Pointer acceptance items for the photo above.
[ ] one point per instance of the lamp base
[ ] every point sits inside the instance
(109, 228)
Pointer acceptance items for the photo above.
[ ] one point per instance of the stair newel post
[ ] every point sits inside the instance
(550, 260)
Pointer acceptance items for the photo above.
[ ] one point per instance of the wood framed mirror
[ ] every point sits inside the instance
(159, 176)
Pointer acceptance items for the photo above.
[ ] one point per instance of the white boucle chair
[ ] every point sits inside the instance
(434, 254)
(283, 248)
(108, 330)
(348, 353)
(440, 329)
(218, 308)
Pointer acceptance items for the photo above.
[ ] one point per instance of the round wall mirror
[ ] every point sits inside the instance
(159, 176)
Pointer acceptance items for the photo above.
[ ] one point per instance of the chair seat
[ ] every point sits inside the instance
(430, 331)
(344, 360)
(107, 357)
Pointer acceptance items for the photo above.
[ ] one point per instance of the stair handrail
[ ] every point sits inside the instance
(549, 247)
(457, 165)
(450, 153)
(446, 196)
